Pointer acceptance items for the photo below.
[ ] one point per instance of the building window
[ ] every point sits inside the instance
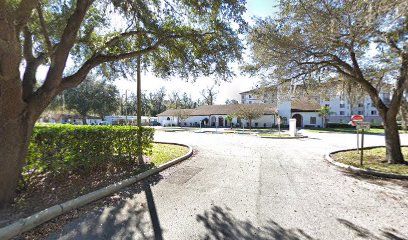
(373, 112)
(312, 120)
(284, 121)
(250, 102)
(342, 105)
(360, 105)
(168, 118)
(342, 113)
(256, 124)
(250, 96)
(360, 112)
(327, 105)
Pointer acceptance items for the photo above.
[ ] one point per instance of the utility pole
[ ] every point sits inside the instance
(139, 114)
(126, 120)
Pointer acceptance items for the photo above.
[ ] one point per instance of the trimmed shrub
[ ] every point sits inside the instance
(339, 125)
(60, 149)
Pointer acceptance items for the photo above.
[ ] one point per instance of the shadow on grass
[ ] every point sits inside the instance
(221, 224)
(120, 216)
(361, 232)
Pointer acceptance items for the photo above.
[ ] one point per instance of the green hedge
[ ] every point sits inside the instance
(59, 149)
(339, 125)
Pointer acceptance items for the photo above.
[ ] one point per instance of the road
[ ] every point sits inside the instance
(244, 187)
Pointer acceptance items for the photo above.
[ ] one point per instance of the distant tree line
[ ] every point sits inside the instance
(97, 97)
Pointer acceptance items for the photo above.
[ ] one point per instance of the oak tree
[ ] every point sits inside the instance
(363, 42)
(184, 38)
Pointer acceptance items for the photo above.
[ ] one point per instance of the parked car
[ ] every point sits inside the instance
(155, 123)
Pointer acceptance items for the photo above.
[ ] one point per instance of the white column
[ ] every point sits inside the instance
(292, 127)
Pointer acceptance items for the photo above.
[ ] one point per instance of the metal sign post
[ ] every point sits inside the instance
(362, 147)
(362, 126)
(354, 120)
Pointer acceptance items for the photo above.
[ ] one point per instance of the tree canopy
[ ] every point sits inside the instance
(93, 96)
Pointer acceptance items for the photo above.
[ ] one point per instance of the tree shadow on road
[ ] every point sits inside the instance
(221, 224)
(384, 182)
(119, 217)
(387, 233)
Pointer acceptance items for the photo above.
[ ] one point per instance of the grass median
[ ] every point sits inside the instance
(373, 159)
(275, 135)
(162, 153)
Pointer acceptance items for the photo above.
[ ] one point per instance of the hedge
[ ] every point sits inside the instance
(59, 149)
(344, 125)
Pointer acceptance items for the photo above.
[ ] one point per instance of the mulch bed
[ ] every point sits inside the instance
(45, 190)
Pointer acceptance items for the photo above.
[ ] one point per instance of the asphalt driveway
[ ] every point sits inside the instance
(244, 187)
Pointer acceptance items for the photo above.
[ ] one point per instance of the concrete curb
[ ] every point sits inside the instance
(359, 170)
(282, 137)
(45, 215)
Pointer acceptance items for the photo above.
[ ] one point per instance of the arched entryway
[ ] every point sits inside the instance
(299, 120)
(213, 121)
(220, 121)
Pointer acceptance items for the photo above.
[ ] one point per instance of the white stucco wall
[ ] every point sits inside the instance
(284, 109)
(167, 120)
(264, 121)
(306, 118)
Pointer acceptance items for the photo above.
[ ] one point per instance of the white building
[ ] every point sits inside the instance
(215, 116)
(340, 107)
(305, 112)
(129, 120)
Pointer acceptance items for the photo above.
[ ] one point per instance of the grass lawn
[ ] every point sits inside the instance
(373, 160)
(346, 130)
(256, 130)
(163, 153)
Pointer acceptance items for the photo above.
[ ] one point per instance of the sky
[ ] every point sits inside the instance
(226, 90)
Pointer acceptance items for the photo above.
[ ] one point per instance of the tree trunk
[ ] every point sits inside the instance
(15, 136)
(392, 142)
(84, 120)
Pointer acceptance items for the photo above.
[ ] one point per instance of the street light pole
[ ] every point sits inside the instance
(126, 119)
(139, 113)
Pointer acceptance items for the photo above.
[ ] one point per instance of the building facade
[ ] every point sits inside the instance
(340, 107)
(306, 114)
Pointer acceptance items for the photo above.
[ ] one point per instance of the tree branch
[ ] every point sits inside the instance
(44, 30)
(23, 13)
(79, 76)
(371, 90)
(401, 84)
(60, 55)
(114, 40)
(32, 64)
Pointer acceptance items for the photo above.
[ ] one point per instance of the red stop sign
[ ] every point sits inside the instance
(357, 118)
